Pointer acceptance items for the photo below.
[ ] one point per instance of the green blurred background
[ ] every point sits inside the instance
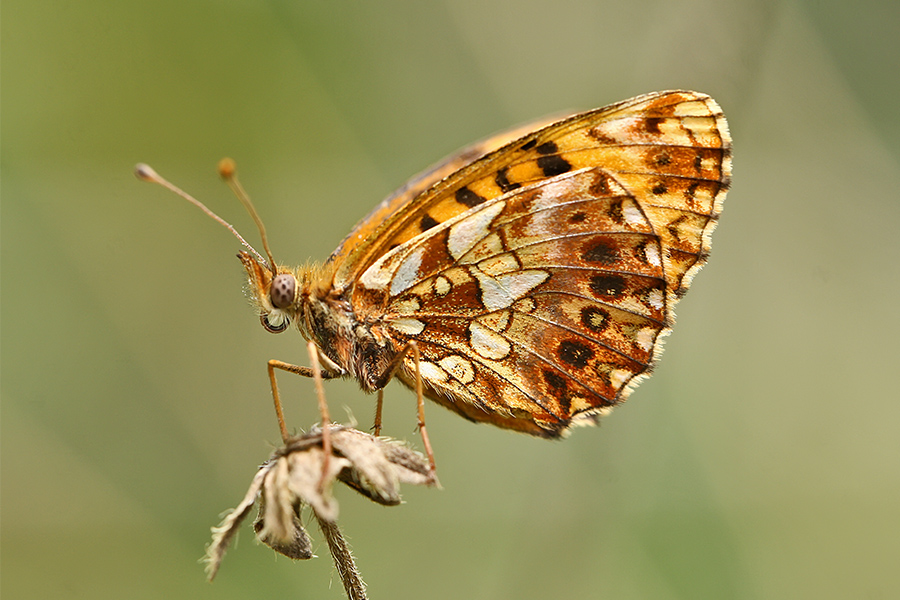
(761, 461)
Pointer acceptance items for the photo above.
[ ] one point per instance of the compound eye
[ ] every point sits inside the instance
(276, 325)
(284, 286)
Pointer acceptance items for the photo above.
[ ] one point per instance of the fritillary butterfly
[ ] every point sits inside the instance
(535, 273)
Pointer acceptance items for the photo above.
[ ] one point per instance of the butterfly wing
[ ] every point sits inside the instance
(539, 293)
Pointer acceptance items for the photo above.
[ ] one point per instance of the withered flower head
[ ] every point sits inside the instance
(301, 474)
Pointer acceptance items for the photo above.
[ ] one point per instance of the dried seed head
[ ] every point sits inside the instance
(294, 477)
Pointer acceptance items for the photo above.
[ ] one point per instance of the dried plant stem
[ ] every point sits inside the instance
(343, 560)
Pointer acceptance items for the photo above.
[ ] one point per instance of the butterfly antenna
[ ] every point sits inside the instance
(147, 173)
(228, 172)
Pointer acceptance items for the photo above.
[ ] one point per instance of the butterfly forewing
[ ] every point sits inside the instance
(671, 148)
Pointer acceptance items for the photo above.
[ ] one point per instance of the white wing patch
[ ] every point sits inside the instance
(459, 368)
(501, 291)
(486, 343)
(408, 271)
(472, 229)
(408, 326)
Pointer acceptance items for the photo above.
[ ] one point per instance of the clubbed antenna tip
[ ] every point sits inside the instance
(227, 170)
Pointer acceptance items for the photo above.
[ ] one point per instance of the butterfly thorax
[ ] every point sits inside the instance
(356, 344)
(349, 344)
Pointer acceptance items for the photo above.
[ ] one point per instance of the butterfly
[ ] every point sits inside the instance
(526, 281)
(536, 272)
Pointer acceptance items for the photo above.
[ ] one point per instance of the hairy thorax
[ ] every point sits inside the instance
(354, 343)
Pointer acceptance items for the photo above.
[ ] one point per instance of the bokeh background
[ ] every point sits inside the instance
(761, 461)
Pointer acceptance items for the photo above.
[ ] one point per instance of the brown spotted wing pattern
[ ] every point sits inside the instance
(538, 279)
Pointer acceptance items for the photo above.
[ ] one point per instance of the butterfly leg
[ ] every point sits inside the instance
(316, 373)
(420, 402)
(323, 411)
(297, 370)
(379, 404)
(413, 348)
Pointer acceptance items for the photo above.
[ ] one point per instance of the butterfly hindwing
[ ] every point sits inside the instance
(535, 310)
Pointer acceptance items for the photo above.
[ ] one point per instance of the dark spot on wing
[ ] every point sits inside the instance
(555, 380)
(503, 183)
(547, 148)
(553, 165)
(600, 251)
(610, 286)
(651, 124)
(575, 353)
(600, 186)
(594, 318)
(427, 223)
(615, 212)
(467, 197)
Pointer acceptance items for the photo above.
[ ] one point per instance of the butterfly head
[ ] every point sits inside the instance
(278, 292)
(278, 296)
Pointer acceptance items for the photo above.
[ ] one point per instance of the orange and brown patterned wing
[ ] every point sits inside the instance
(543, 304)
(535, 311)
